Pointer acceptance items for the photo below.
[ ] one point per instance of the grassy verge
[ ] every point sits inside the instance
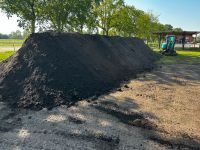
(11, 42)
(183, 57)
(5, 55)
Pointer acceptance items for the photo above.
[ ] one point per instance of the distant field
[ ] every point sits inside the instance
(11, 42)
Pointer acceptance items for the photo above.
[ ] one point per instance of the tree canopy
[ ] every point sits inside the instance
(108, 17)
(28, 11)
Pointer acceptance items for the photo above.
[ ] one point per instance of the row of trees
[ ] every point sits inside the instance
(4, 36)
(15, 35)
(108, 17)
(198, 39)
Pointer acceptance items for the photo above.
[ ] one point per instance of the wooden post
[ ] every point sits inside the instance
(183, 42)
(195, 40)
(160, 38)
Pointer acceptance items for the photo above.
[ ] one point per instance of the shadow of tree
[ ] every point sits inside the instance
(57, 126)
(170, 74)
(184, 141)
(93, 123)
(8, 119)
(124, 114)
(151, 131)
(74, 126)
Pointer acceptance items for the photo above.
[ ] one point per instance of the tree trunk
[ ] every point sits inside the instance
(59, 25)
(81, 28)
(33, 26)
(107, 32)
(33, 17)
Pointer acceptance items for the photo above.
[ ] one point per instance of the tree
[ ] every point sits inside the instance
(124, 21)
(155, 26)
(198, 39)
(68, 15)
(168, 27)
(111, 17)
(26, 34)
(26, 10)
(159, 28)
(60, 13)
(4, 36)
(177, 29)
(83, 15)
(143, 25)
(57, 12)
(16, 35)
(105, 12)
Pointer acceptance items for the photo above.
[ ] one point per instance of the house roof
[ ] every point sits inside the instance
(185, 33)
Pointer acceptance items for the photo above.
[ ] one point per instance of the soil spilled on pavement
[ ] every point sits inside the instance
(53, 69)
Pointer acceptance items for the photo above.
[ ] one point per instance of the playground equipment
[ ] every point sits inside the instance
(168, 47)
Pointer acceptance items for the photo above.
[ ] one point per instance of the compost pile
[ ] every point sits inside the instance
(52, 69)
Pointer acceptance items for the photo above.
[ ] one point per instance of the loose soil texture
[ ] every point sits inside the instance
(62, 68)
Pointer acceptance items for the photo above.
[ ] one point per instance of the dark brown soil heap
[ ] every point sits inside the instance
(53, 69)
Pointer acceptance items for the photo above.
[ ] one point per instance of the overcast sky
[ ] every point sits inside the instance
(179, 13)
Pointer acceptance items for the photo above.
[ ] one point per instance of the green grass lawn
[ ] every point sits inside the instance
(5, 55)
(183, 57)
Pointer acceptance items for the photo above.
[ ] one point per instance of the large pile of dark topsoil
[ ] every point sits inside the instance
(53, 69)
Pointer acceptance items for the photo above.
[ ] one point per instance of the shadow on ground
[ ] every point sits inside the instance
(121, 111)
(108, 123)
(171, 74)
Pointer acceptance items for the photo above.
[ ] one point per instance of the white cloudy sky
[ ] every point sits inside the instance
(8, 25)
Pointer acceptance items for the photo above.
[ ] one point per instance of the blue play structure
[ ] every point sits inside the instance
(168, 47)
